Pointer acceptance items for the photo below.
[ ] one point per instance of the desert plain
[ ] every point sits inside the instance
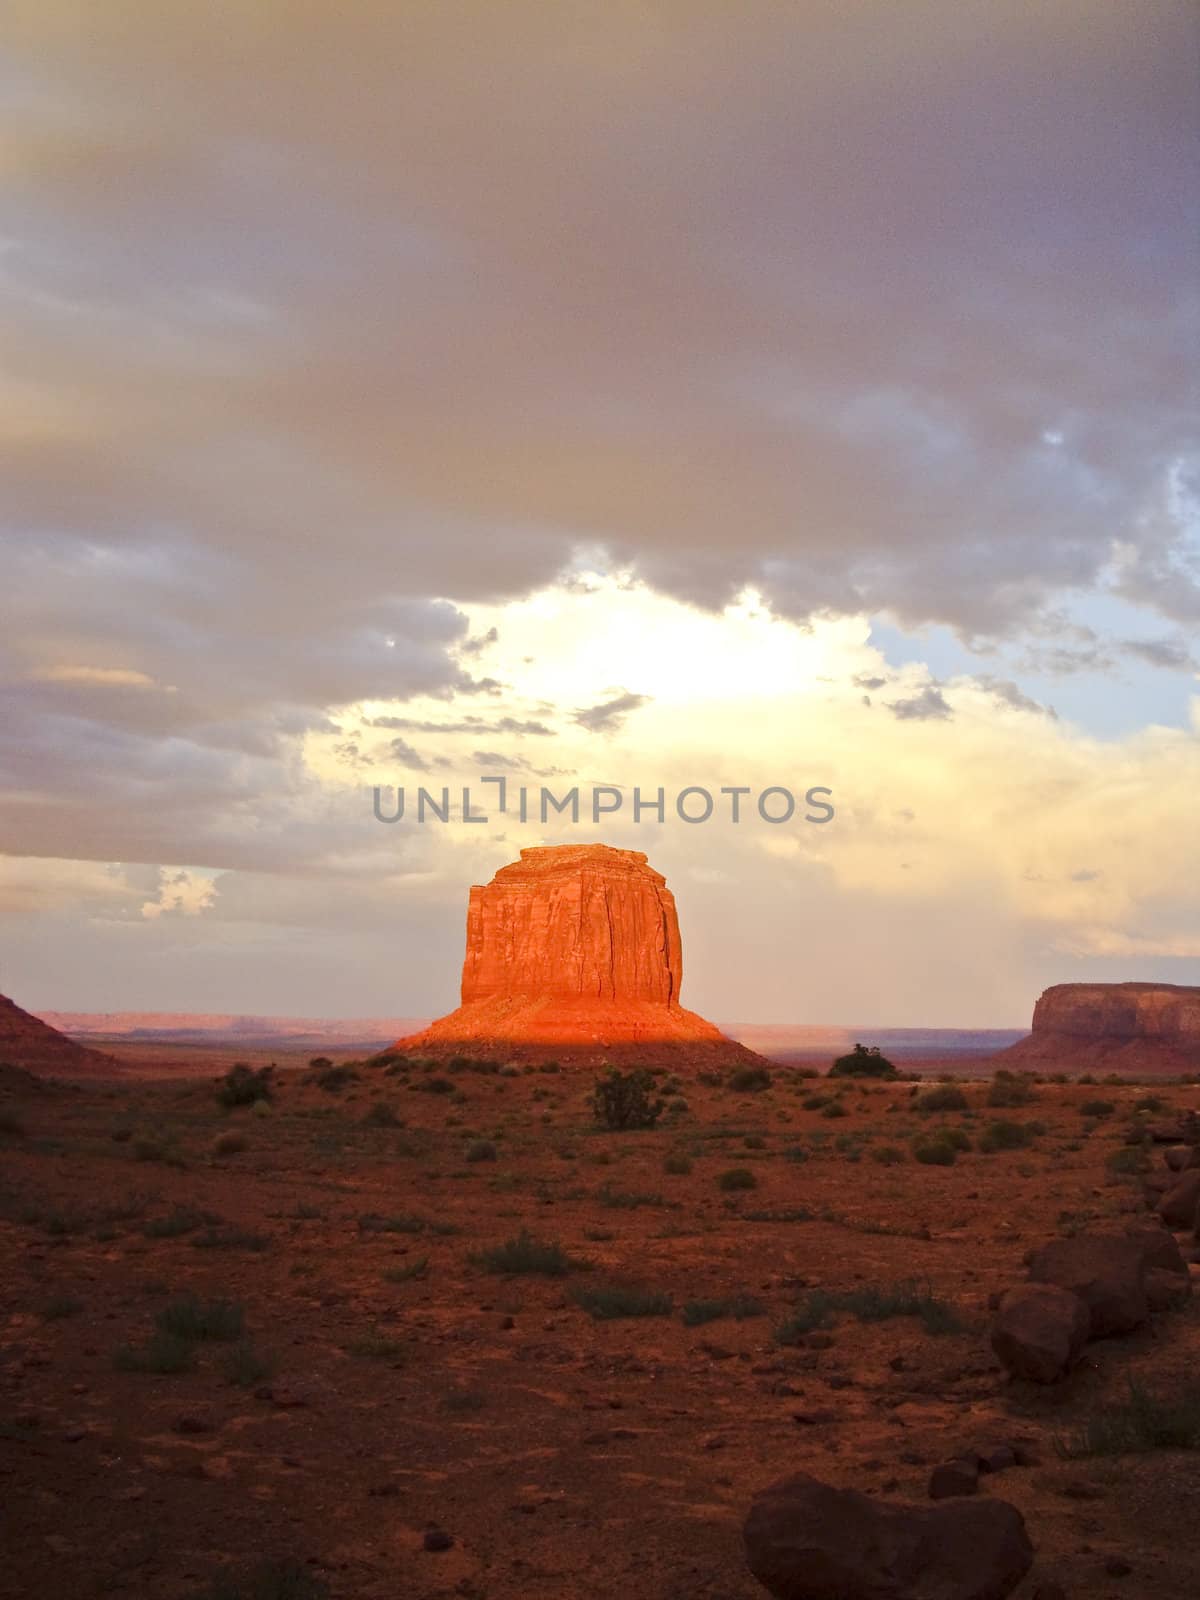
(427, 1328)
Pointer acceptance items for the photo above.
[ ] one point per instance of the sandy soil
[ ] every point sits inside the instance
(389, 1386)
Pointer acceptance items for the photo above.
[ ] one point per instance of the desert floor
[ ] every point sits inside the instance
(387, 1385)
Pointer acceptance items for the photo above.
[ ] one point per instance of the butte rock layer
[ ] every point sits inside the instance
(573, 952)
(26, 1041)
(1120, 1027)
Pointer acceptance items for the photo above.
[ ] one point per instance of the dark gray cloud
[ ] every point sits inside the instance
(927, 705)
(1009, 694)
(469, 724)
(609, 714)
(1172, 654)
(404, 754)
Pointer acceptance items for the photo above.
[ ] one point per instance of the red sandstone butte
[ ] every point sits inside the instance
(26, 1041)
(1114, 1027)
(573, 953)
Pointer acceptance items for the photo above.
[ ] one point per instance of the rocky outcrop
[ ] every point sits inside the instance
(806, 1540)
(26, 1041)
(1107, 1272)
(1114, 1027)
(574, 952)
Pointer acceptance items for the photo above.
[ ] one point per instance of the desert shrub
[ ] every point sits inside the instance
(795, 1153)
(947, 1097)
(188, 1317)
(230, 1238)
(334, 1079)
(369, 1222)
(608, 1302)
(163, 1353)
(1149, 1102)
(434, 1086)
(526, 1256)
(887, 1155)
(409, 1272)
(737, 1178)
(622, 1100)
(230, 1144)
(678, 1166)
(376, 1345)
(245, 1366)
(738, 1306)
(814, 1102)
(872, 1304)
(319, 1063)
(147, 1147)
(242, 1086)
(958, 1137)
(750, 1080)
(937, 1152)
(1143, 1422)
(1128, 1160)
(834, 1108)
(383, 1115)
(1097, 1108)
(481, 1150)
(1006, 1136)
(270, 1580)
(11, 1122)
(1007, 1089)
(862, 1062)
(627, 1199)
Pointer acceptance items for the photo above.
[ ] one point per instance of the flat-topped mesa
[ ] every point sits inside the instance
(1129, 1027)
(573, 952)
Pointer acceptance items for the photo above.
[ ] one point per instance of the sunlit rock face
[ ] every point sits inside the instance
(574, 952)
(1118, 1026)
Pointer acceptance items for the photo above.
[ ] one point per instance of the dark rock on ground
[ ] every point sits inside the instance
(953, 1478)
(1039, 1331)
(806, 1540)
(1178, 1206)
(1107, 1272)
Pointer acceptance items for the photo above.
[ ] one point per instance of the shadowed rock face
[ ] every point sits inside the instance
(1121, 1026)
(574, 951)
(26, 1041)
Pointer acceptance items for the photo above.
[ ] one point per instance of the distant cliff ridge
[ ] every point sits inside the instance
(1119, 1027)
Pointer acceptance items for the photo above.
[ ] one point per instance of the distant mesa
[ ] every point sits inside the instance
(573, 953)
(1113, 1027)
(26, 1041)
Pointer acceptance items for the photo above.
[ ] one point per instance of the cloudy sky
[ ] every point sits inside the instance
(752, 394)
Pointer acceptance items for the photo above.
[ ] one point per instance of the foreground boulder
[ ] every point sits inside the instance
(1178, 1206)
(1108, 1273)
(1039, 1331)
(806, 1540)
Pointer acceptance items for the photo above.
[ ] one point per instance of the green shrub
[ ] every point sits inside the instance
(481, 1150)
(934, 1152)
(834, 1108)
(622, 1100)
(1097, 1108)
(163, 1353)
(739, 1306)
(608, 1302)
(947, 1097)
(377, 1346)
(737, 1178)
(907, 1299)
(232, 1144)
(187, 1317)
(242, 1086)
(1144, 1422)
(177, 1222)
(795, 1153)
(1007, 1089)
(230, 1239)
(1128, 1160)
(863, 1063)
(1006, 1136)
(887, 1155)
(412, 1270)
(383, 1115)
(678, 1166)
(334, 1079)
(750, 1080)
(524, 1255)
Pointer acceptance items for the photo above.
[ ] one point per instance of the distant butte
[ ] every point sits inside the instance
(573, 953)
(1114, 1027)
(26, 1041)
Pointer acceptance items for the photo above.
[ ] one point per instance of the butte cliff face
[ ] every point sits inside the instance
(573, 951)
(1121, 1027)
(26, 1041)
